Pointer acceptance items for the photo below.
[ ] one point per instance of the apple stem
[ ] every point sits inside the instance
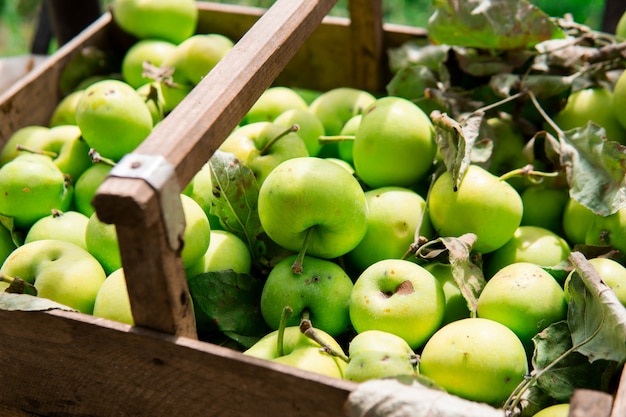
(17, 285)
(309, 331)
(36, 151)
(298, 264)
(527, 171)
(324, 140)
(284, 317)
(293, 128)
(97, 158)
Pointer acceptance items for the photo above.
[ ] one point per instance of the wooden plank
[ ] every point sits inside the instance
(58, 363)
(619, 404)
(367, 43)
(589, 403)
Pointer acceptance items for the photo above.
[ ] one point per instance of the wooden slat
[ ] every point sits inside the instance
(186, 139)
(589, 403)
(69, 364)
(619, 404)
(367, 43)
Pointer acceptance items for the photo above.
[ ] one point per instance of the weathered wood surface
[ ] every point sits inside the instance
(588, 403)
(619, 405)
(69, 364)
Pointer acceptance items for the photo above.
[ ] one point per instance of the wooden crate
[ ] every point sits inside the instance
(56, 362)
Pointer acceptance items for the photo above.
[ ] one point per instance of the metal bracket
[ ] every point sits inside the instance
(161, 176)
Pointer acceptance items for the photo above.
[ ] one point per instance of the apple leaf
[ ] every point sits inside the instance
(456, 140)
(26, 302)
(596, 318)
(595, 168)
(229, 302)
(236, 192)
(415, 52)
(490, 24)
(411, 82)
(565, 370)
(467, 275)
(16, 236)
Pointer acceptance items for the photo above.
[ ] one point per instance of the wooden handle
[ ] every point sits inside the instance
(186, 139)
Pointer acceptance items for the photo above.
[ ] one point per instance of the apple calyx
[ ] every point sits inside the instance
(293, 128)
(309, 331)
(298, 264)
(36, 151)
(404, 288)
(17, 285)
(529, 172)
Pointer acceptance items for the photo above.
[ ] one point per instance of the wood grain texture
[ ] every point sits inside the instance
(367, 44)
(588, 403)
(619, 404)
(70, 364)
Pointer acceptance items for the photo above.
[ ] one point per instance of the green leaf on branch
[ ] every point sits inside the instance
(235, 192)
(571, 372)
(495, 24)
(416, 52)
(596, 318)
(456, 141)
(229, 302)
(595, 168)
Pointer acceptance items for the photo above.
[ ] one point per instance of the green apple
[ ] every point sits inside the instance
(22, 137)
(101, 242)
(64, 112)
(112, 300)
(300, 351)
(611, 272)
(310, 127)
(226, 252)
(523, 297)
(345, 165)
(60, 271)
(620, 29)
(376, 354)
(608, 230)
(70, 226)
(593, 104)
(476, 359)
(508, 145)
(577, 219)
(170, 20)
(544, 206)
(394, 144)
(336, 106)
(152, 95)
(532, 244)
(113, 118)
(491, 208)
(31, 186)
(456, 305)
(200, 188)
(197, 233)
(273, 102)
(151, 51)
(194, 57)
(556, 410)
(394, 214)
(313, 204)
(322, 289)
(398, 297)
(72, 152)
(86, 186)
(262, 146)
(345, 147)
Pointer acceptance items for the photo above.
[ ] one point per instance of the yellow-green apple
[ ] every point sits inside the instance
(394, 214)
(69, 225)
(491, 208)
(577, 219)
(171, 20)
(261, 146)
(151, 51)
(64, 112)
(310, 127)
(336, 106)
(200, 188)
(544, 206)
(60, 271)
(300, 351)
(313, 204)
(375, 354)
(22, 137)
(532, 244)
(608, 230)
(113, 118)
(101, 242)
(31, 186)
(611, 272)
(349, 129)
(556, 410)
(322, 290)
(394, 144)
(226, 252)
(456, 305)
(72, 152)
(86, 186)
(476, 359)
(152, 95)
(112, 300)
(523, 297)
(399, 297)
(273, 102)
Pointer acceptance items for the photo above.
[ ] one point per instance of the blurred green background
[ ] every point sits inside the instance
(18, 18)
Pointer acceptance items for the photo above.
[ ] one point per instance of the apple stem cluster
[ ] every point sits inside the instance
(309, 331)
(293, 128)
(529, 172)
(298, 263)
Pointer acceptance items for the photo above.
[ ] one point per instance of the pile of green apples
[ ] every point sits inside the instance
(373, 259)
